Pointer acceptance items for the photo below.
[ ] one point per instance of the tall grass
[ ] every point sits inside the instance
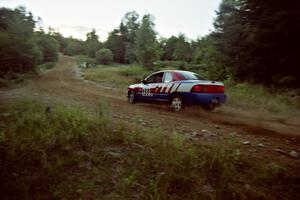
(69, 153)
(249, 96)
(42, 152)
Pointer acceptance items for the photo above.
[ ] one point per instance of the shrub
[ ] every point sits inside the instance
(104, 56)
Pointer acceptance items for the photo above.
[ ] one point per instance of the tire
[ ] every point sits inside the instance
(177, 103)
(132, 97)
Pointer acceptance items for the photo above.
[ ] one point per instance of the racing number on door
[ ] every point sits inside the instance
(146, 92)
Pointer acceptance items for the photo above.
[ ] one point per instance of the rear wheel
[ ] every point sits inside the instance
(131, 97)
(177, 103)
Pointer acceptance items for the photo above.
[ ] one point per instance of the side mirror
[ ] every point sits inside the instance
(144, 82)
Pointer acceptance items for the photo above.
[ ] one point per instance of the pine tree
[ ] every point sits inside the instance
(146, 44)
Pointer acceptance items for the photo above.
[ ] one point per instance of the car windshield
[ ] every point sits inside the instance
(190, 76)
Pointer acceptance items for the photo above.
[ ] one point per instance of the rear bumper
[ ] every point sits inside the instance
(204, 98)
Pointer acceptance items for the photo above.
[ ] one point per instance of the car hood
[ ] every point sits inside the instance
(135, 85)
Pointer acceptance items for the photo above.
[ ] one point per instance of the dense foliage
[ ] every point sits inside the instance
(146, 45)
(253, 41)
(121, 41)
(258, 40)
(18, 47)
(22, 48)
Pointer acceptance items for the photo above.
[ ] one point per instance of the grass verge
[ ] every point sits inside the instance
(69, 153)
(249, 96)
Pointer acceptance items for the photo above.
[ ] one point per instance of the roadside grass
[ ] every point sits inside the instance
(249, 96)
(64, 152)
(244, 96)
(116, 76)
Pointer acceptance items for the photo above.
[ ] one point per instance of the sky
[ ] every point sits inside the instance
(75, 18)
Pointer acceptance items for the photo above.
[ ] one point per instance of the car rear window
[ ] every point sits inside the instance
(184, 75)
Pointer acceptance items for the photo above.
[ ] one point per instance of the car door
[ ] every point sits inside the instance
(151, 86)
(162, 93)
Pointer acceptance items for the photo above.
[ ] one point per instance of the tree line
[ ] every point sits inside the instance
(254, 41)
(21, 47)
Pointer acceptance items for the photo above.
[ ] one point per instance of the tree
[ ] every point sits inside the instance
(128, 29)
(168, 48)
(182, 49)
(18, 48)
(211, 60)
(48, 46)
(146, 44)
(121, 41)
(60, 39)
(74, 47)
(115, 43)
(104, 56)
(258, 38)
(92, 44)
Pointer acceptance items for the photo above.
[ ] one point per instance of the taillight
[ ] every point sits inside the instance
(208, 88)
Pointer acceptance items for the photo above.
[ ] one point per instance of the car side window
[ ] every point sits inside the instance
(168, 77)
(155, 78)
(151, 79)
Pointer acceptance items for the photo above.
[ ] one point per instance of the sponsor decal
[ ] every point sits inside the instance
(164, 88)
(171, 87)
(177, 87)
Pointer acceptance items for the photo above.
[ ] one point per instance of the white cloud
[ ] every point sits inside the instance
(192, 17)
(80, 31)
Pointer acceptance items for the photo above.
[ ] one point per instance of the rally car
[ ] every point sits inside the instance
(179, 88)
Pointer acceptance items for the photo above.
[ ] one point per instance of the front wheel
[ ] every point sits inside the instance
(132, 97)
(177, 103)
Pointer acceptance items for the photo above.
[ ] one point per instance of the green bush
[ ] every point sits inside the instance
(104, 56)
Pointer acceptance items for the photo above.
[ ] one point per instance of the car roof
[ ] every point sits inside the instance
(172, 70)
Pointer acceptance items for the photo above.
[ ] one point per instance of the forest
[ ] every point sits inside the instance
(253, 41)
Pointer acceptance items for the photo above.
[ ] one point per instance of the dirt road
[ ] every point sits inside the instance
(262, 136)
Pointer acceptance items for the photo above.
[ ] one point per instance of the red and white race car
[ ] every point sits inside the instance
(179, 88)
